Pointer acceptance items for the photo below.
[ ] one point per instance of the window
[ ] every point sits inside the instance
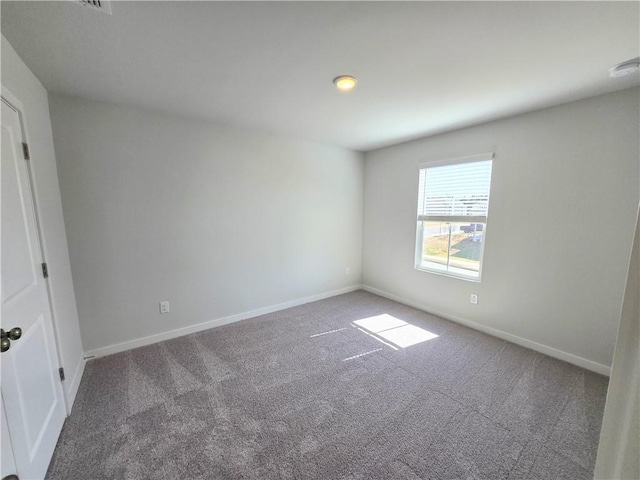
(453, 204)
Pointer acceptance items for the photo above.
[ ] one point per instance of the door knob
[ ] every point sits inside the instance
(15, 333)
(5, 344)
(6, 337)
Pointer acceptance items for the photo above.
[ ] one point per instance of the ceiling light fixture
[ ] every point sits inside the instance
(625, 68)
(345, 83)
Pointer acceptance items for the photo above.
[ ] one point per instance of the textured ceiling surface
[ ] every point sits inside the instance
(423, 67)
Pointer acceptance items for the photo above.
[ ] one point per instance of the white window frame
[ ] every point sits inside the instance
(451, 219)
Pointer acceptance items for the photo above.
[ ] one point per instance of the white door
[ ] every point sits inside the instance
(30, 386)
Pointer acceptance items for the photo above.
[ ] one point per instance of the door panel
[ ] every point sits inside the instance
(7, 463)
(36, 392)
(31, 390)
(18, 271)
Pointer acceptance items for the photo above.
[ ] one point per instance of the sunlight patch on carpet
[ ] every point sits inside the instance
(362, 354)
(394, 330)
(327, 333)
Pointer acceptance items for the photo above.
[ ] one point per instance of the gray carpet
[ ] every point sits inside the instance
(305, 394)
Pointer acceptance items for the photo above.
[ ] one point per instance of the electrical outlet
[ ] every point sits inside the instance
(474, 299)
(164, 307)
(347, 270)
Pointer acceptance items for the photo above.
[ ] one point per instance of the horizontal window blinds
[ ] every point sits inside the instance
(457, 190)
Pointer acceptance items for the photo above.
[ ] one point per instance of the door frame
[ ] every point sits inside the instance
(13, 102)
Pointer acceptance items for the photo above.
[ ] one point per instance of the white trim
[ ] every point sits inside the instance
(538, 347)
(12, 99)
(468, 159)
(449, 273)
(179, 332)
(74, 385)
(453, 218)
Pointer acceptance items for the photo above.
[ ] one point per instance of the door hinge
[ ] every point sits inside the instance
(45, 270)
(25, 151)
(61, 372)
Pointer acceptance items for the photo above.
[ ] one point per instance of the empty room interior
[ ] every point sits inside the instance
(320, 240)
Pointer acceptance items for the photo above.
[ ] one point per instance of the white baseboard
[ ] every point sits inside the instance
(72, 390)
(538, 347)
(179, 332)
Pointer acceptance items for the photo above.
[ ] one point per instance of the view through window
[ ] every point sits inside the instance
(453, 205)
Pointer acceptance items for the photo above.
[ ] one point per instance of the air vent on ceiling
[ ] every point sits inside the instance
(99, 5)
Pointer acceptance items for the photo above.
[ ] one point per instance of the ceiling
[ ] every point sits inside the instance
(423, 67)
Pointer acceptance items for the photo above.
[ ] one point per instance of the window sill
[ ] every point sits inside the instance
(444, 273)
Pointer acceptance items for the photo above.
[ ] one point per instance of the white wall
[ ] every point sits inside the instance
(217, 220)
(19, 80)
(563, 201)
